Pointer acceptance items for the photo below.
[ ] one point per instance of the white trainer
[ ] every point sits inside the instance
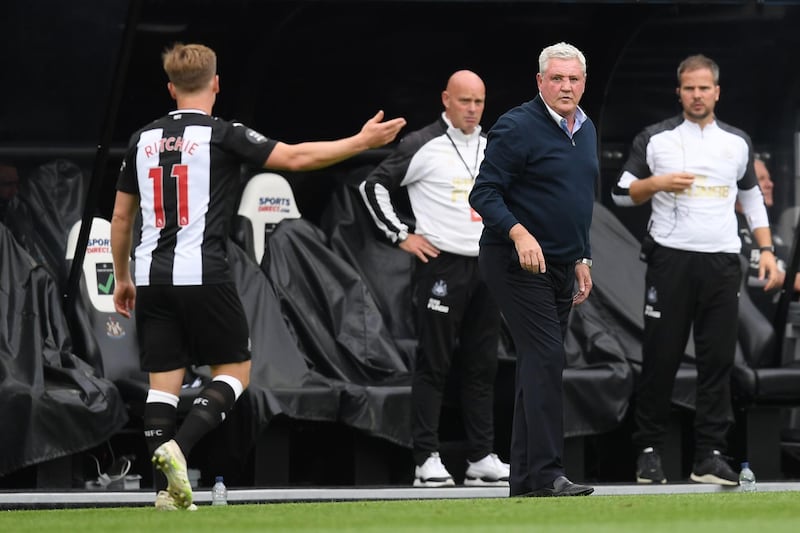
(488, 472)
(432, 473)
(165, 502)
(169, 459)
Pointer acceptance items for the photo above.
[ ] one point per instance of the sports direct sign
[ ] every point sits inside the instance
(98, 246)
(277, 204)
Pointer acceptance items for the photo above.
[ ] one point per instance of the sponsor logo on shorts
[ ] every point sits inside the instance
(651, 312)
(436, 305)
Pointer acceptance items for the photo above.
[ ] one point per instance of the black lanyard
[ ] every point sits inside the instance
(472, 173)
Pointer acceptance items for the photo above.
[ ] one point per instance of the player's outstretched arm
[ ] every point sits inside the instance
(313, 155)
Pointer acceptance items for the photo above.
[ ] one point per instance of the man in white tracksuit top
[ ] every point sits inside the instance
(693, 168)
(456, 315)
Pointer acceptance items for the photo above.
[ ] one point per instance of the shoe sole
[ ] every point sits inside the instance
(712, 479)
(478, 482)
(174, 507)
(433, 484)
(551, 493)
(645, 480)
(177, 485)
(582, 492)
(167, 503)
(162, 504)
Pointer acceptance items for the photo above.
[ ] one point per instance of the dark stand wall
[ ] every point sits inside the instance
(317, 70)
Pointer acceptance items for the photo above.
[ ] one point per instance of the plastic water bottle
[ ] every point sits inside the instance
(219, 492)
(747, 479)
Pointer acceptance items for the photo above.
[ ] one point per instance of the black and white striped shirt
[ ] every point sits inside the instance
(185, 169)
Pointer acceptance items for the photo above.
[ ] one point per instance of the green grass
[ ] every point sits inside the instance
(763, 512)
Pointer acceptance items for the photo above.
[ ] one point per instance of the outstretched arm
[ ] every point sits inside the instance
(314, 155)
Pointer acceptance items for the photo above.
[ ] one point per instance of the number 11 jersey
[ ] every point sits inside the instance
(185, 168)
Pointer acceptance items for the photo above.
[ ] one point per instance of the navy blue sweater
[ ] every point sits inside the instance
(534, 174)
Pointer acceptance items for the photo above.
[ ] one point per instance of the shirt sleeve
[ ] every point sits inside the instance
(126, 180)
(381, 184)
(248, 144)
(635, 168)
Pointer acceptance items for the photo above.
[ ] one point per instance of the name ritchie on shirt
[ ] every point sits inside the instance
(170, 144)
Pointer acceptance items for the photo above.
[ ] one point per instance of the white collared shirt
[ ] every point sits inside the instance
(580, 118)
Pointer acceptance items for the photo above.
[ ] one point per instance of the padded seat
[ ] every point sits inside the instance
(54, 404)
(759, 376)
(278, 365)
(266, 199)
(787, 222)
(776, 386)
(340, 330)
(107, 340)
(762, 387)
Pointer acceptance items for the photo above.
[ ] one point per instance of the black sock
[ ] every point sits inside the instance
(208, 411)
(159, 427)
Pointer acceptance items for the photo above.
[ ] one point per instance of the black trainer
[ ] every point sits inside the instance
(714, 469)
(648, 467)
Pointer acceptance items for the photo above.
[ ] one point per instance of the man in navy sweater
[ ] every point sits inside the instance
(535, 192)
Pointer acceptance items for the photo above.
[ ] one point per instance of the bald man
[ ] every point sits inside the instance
(456, 316)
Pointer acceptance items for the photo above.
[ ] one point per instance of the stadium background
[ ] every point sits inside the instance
(318, 69)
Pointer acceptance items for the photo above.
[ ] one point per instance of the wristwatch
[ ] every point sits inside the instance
(769, 248)
(584, 260)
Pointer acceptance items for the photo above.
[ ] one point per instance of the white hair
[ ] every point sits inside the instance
(560, 50)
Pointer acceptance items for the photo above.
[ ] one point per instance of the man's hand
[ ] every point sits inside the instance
(124, 297)
(583, 275)
(377, 133)
(768, 269)
(419, 246)
(531, 257)
(675, 182)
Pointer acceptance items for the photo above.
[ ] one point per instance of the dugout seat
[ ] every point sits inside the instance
(765, 382)
(787, 222)
(267, 199)
(339, 328)
(107, 340)
(347, 363)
